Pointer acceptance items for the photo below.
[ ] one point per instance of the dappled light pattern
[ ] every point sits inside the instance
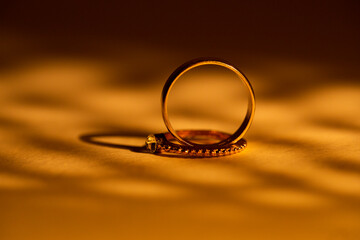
(72, 163)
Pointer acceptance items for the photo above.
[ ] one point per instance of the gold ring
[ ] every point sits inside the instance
(240, 132)
(165, 143)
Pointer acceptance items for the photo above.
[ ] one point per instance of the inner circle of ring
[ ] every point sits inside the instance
(240, 132)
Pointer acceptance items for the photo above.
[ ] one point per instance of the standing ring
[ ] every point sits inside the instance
(240, 132)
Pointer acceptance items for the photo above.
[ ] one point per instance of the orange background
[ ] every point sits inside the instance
(80, 85)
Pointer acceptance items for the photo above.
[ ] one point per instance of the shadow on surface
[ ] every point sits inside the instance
(93, 138)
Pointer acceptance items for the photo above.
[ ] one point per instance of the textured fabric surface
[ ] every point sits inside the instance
(71, 130)
(80, 86)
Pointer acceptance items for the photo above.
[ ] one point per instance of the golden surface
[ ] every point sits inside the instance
(299, 177)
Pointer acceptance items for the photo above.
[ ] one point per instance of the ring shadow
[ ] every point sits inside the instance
(93, 138)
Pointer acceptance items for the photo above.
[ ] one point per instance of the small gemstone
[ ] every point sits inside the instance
(151, 143)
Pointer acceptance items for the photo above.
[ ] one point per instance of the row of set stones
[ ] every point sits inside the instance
(202, 152)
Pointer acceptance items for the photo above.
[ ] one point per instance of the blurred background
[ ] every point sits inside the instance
(80, 85)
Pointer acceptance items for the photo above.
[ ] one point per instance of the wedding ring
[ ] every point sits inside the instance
(230, 139)
(165, 143)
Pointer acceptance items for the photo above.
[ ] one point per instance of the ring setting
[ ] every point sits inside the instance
(166, 143)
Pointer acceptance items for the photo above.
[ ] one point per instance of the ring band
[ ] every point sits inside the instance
(231, 139)
(165, 143)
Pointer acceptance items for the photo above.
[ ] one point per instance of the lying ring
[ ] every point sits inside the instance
(166, 143)
(231, 139)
